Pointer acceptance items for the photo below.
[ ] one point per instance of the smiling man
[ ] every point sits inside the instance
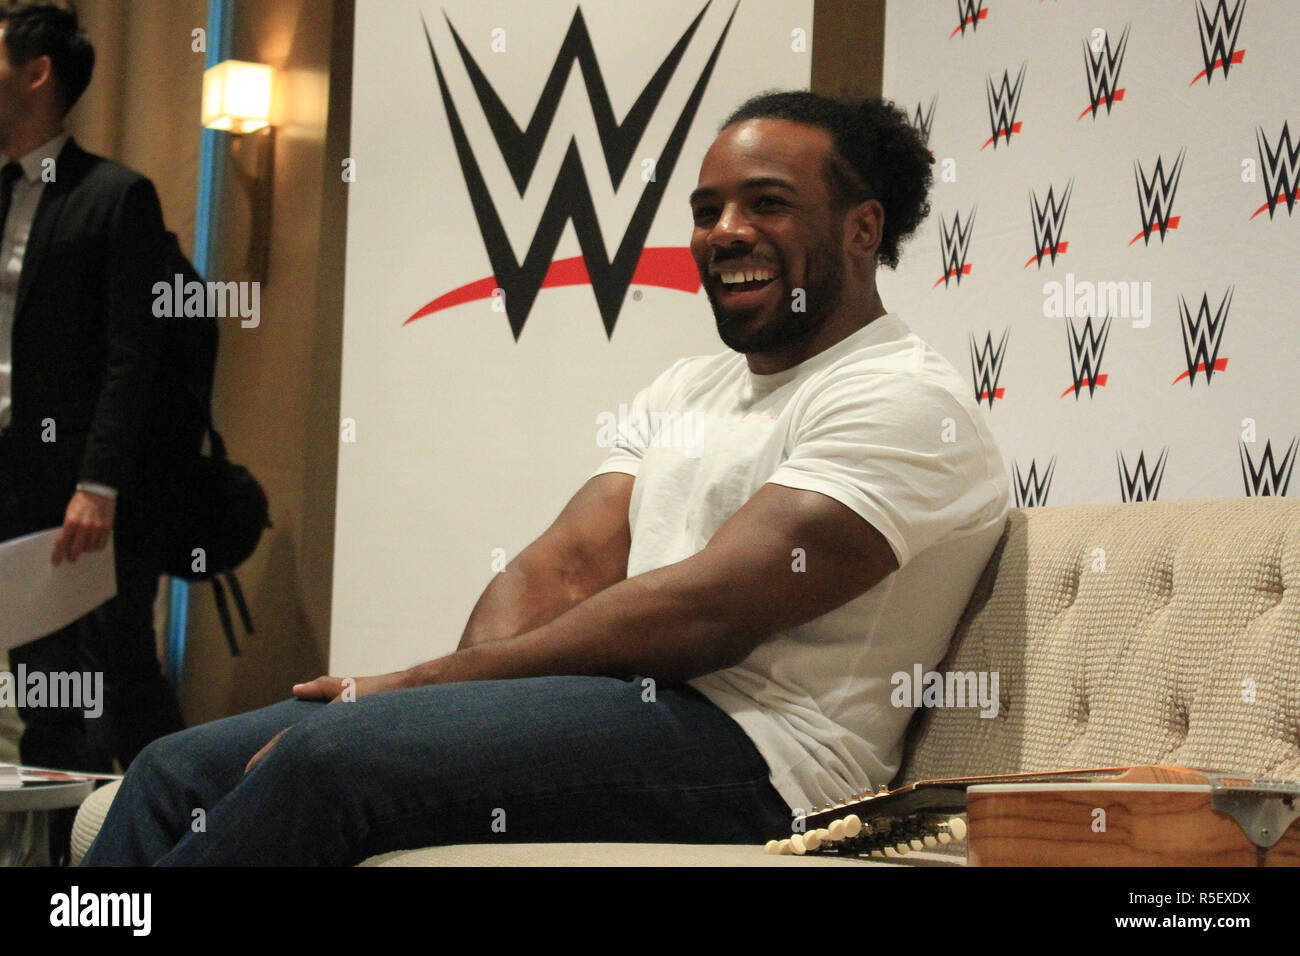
(701, 645)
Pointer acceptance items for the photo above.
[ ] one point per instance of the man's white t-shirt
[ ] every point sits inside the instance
(879, 422)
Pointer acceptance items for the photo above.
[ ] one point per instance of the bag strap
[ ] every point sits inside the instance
(241, 605)
(224, 613)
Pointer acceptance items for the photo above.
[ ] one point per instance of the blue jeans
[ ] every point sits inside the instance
(579, 759)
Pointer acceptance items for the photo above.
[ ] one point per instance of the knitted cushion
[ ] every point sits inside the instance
(1163, 632)
(90, 817)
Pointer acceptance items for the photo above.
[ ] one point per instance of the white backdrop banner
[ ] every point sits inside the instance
(1113, 245)
(517, 265)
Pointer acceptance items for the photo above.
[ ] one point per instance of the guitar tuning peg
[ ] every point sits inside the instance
(915, 844)
(852, 826)
(930, 840)
(797, 844)
(772, 847)
(811, 841)
(836, 831)
(785, 848)
(957, 827)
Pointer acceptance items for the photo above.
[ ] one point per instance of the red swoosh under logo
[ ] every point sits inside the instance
(1047, 251)
(1281, 198)
(1155, 227)
(983, 15)
(1237, 57)
(1219, 366)
(1015, 128)
(965, 270)
(668, 267)
(1119, 95)
(1083, 383)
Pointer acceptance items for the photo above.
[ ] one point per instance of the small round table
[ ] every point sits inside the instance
(24, 825)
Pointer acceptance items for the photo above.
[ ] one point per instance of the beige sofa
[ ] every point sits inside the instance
(1165, 632)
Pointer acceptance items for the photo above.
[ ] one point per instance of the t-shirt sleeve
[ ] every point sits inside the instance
(902, 453)
(626, 431)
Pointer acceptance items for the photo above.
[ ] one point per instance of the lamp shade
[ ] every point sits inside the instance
(237, 96)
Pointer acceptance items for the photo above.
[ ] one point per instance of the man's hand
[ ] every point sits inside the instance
(337, 690)
(345, 689)
(86, 526)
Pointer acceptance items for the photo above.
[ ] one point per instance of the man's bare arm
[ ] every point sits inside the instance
(701, 614)
(583, 552)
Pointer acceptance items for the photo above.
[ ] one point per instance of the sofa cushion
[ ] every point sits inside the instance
(632, 854)
(1162, 632)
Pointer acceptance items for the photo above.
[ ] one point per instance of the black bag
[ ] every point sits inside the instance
(192, 516)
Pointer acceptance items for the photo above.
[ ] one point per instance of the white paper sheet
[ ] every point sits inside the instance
(37, 598)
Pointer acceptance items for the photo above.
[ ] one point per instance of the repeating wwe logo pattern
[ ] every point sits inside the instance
(1202, 336)
(1139, 484)
(1004, 103)
(969, 14)
(1156, 197)
(1270, 478)
(1219, 38)
(570, 199)
(986, 367)
(1281, 171)
(1086, 349)
(1103, 74)
(1030, 490)
(923, 121)
(1048, 219)
(954, 244)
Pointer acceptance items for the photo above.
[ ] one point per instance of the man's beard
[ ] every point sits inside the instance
(823, 288)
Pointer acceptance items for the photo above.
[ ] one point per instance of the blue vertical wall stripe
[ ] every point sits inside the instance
(220, 19)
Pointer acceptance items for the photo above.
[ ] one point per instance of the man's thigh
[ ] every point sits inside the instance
(542, 759)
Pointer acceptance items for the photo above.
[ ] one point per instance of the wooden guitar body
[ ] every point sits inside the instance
(1113, 816)
(1148, 816)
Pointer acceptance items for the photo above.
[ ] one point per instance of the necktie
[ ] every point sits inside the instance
(8, 176)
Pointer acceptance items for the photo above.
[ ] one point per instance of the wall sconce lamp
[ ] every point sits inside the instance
(237, 100)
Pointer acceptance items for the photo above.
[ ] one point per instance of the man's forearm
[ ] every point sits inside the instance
(534, 589)
(671, 624)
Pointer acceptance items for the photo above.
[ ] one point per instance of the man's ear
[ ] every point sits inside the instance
(39, 73)
(864, 229)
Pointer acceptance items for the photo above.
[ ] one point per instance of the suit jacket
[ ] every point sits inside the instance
(85, 341)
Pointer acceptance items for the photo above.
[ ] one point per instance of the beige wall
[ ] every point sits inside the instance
(142, 105)
(276, 394)
(848, 47)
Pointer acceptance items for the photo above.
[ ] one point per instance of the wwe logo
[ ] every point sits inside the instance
(1004, 101)
(1103, 74)
(924, 122)
(969, 13)
(1202, 336)
(570, 199)
(1048, 222)
(1268, 479)
(1030, 490)
(986, 367)
(955, 243)
(1156, 197)
(1086, 349)
(1281, 171)
(1219, 38)
(1139, 485)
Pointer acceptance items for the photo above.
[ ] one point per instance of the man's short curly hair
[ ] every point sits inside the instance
(876, 154)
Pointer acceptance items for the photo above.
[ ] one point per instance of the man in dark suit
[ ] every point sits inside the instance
(81, 247)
